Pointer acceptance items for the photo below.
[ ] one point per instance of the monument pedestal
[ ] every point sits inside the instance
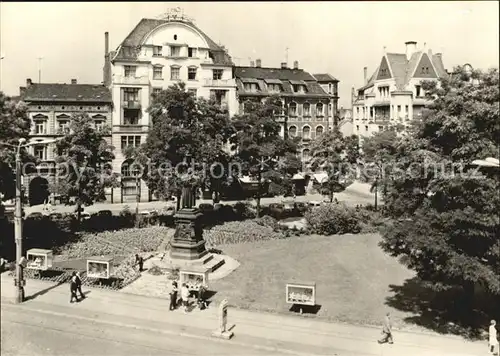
(188, 241)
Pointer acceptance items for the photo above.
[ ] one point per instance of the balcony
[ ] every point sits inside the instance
(421, 101)
(131, 104)
(121, 79)
(382, 119)
(218, 83)
(130, 128)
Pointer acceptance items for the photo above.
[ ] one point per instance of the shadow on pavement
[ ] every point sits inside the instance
(446, 311)
(306, 309)
(44, 291)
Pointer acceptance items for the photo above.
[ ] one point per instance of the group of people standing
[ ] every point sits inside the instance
(185, 296)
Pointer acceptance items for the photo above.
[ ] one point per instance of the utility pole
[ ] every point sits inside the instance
(18, 221)
(40, 69)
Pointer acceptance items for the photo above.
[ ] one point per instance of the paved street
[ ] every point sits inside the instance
(117, 323)
(26, 331)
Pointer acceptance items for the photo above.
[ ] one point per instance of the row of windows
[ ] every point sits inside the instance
(41, 127)
(70, 108)
(175, 72)
(306, 131)
(273, 88)
(174, 51)
(130, 141)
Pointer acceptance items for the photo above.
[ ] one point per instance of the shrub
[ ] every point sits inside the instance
(331, 219)
(244, 210)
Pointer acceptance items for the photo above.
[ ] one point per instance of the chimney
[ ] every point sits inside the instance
(439, 55)
(73, 81)
(296, 65)
(411, 47)
(283, 65)
(365, 75)
(22, 91)
(258, 63)
(28, 82)
(106, 43)
(252, 64)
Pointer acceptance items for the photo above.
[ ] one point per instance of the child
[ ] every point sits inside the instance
(493, 340)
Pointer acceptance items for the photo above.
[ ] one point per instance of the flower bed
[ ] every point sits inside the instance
(243, 231)
(115, 243)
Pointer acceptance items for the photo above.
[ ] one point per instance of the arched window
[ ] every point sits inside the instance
(319, 109)
(306, 154)
(292, 131)
(319, 130)
(307, 109)
(129, 169)
(292, 109)
(306, 132)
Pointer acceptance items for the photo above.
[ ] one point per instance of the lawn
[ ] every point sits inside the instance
(351, 273)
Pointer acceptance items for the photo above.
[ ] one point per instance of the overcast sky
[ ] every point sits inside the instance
(335, 37)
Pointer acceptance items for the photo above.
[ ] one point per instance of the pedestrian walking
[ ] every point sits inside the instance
(140, 261)
(387, 330)
(73, 287)
(173, 296)
(185, 297)
(202, 303)
(79, 285)
(493, 339)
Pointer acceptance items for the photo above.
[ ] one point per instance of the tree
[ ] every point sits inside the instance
(337, 156)
(379, 151)
(184, 125)
(445, 215)
(14, 124)
(86, 157)
(261, 151)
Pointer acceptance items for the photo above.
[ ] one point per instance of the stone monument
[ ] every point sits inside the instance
(188, 241)
(223, 331)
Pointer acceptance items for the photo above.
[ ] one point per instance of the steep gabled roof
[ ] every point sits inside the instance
(325, 77)
(67, 92)
(403, 70)
(130, 47)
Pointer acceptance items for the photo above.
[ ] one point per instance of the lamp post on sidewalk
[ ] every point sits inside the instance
(19, 281)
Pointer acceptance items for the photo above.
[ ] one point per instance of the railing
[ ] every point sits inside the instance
(219, 83)
(131, 104)
(130, 128)
(120, 79)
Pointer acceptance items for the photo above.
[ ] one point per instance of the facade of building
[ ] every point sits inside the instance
(50, 107)
(331, 86)
(308, 108)
(155, 55)
(345, 122)
(393, 95)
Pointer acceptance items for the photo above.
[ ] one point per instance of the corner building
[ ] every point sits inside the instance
(393, 96)
(155, 55)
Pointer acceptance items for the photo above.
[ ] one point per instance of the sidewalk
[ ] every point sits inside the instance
(296, 334)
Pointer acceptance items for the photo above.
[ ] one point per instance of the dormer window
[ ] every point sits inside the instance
(274, 88)
(299, 88)
(425, 70)
(157, 51)
(330, 88)
(129, 71)
(191, 52)
(251, 87)
(175, 51)
(383, 72)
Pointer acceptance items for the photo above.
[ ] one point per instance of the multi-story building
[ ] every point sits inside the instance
(156, 54)
(330, 86)
(50, 107)
(309, 110)
(393, 95)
